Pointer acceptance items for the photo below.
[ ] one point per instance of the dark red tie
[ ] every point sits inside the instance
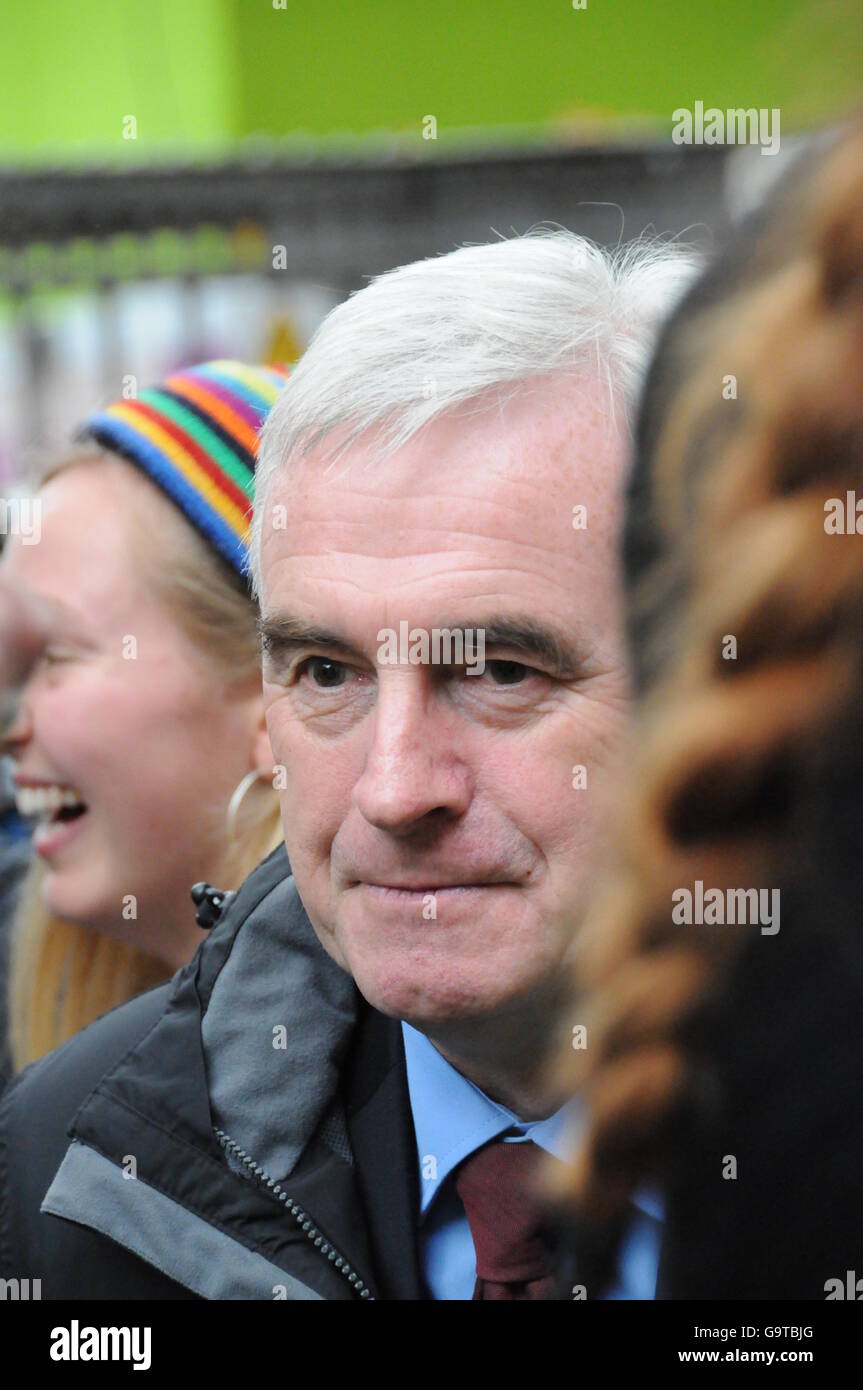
(496, 1185)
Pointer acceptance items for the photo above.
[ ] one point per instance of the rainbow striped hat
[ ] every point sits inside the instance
(195, 434)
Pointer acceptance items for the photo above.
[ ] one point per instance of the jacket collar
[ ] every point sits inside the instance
(209, 1068)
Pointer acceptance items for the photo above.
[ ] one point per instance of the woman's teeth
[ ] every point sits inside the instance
(45, 801)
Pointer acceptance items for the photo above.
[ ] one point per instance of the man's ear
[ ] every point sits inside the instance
(262, 753)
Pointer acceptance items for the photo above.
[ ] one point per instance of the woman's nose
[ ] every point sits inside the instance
(16, 731)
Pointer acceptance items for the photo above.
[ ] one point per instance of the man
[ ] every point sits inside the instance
(363, 1044)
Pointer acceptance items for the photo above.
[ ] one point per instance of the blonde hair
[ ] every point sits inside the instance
(64, 975)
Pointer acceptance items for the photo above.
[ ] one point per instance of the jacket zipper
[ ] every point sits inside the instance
(307, 1226)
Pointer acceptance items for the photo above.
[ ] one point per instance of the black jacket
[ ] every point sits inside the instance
(241, 1132)
(15, 856)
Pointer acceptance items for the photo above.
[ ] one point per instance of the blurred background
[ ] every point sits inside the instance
(182, 180)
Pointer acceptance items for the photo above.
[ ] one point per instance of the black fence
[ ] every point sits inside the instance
(319, 222)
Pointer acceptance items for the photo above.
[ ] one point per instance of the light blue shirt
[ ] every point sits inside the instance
(453, 1117)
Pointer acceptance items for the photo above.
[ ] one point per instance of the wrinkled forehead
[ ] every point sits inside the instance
(525, 471)
(509, 518)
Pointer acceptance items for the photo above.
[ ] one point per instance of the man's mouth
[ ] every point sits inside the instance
(433, 902)
(406, 890)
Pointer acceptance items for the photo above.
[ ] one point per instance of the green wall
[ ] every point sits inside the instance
(199, 75)
(71, 70)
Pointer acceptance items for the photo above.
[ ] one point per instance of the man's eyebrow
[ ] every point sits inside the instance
(283, 635)
(565, 654)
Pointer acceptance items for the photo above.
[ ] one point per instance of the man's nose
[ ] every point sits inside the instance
(413, 768)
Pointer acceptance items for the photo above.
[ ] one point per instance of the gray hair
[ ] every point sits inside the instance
(425, 338)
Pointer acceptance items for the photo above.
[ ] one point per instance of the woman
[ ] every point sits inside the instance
(724, 1060)
(139, 746)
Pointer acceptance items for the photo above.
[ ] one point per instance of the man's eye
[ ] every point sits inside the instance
(507, 672)
(324, 673)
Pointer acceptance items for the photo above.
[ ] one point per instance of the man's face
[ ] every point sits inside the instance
(437, 840)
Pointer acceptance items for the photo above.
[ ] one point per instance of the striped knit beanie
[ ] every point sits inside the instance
(195, 434)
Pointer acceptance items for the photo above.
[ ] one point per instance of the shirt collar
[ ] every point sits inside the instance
(453, 1117)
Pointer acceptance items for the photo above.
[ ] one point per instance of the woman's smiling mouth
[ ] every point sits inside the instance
(60, 811)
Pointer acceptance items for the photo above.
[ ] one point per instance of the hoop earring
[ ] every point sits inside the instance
(238, 796)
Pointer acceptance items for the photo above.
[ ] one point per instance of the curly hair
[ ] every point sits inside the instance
(746, 630)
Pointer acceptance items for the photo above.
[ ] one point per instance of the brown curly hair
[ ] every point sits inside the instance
(746, 625)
